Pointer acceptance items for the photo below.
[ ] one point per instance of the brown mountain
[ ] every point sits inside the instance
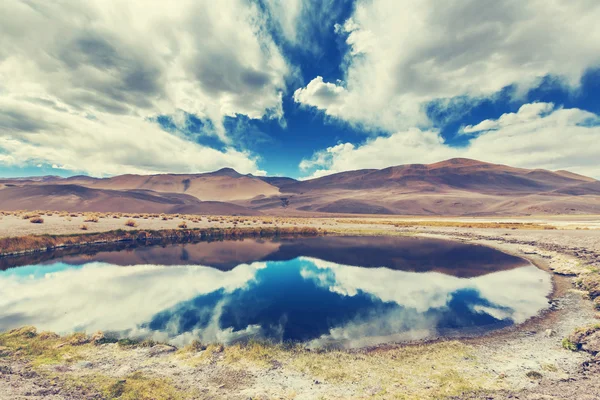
(70, 197)
(223, 185)
(452, 187)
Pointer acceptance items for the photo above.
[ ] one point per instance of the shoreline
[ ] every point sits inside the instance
(525, 360)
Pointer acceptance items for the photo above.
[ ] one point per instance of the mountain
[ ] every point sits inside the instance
(70, 197)
(453, 187)
(223, 185)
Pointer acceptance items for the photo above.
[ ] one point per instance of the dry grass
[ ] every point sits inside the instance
(451, 224)
(45, 348)
(91, 218)
(19, 244)
(135, 386)
(437, 370)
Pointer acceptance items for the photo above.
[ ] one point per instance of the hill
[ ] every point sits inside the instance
(452, 187)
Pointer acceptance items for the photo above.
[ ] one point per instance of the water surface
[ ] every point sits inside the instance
(340, 291)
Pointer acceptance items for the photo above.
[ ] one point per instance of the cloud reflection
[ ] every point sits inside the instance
(304, 299)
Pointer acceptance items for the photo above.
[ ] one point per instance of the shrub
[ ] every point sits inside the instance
(36, 220)
(131, 223)
(567, 344)
(182, 225)
(195, 346)
(91, 218)
(83, 227)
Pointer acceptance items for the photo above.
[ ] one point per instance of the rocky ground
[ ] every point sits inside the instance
(529, 361)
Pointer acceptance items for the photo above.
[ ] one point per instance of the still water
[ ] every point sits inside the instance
(322, 291)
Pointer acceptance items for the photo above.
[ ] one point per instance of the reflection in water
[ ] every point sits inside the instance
(297, 291)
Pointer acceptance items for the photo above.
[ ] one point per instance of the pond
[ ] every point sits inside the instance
(321, 291)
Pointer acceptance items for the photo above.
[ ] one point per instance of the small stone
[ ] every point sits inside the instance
(534, 375)
(84, 364)
(592, 343)
(549, 333)
(161, 349)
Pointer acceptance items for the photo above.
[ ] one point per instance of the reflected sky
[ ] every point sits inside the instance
(296, 297)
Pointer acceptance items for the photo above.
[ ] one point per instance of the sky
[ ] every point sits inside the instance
(296, 88)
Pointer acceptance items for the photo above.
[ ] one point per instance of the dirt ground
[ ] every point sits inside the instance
(524, 362)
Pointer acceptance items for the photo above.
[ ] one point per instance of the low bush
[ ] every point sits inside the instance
(131, 223)
(36, 220)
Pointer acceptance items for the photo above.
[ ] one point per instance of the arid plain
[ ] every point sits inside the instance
(552, 356)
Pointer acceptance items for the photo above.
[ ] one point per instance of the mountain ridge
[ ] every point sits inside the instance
(456, 186)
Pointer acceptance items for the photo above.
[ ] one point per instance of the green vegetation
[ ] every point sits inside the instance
(567, 344)
(436, 370)
(136, 386)
(41, 349)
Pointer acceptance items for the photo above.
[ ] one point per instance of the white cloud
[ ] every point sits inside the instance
(527, 113)
(104, 145)
(286, 14)
(404, 54)
(537, 136)
(517, 294)
(86, 298)
(116, 62)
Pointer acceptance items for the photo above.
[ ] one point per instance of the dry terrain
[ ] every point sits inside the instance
(458, 187)
(526, 362)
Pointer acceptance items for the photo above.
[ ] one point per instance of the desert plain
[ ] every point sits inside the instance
(554, 355)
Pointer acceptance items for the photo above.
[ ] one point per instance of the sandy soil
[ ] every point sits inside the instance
(15, 225)
(504, 360)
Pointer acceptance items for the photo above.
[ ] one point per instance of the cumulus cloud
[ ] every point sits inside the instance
(104, 144)
(516, 294)
(67, 298)
(111, 62)
(537, 136)
(404, 54)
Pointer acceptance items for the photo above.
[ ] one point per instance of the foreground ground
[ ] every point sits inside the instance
(526, 362)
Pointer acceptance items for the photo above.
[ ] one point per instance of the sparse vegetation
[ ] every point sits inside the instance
(36, 220)
(449, 224)
(91, 218)
(131, 223)
(12, 245)
(83, 227)
(182, 225)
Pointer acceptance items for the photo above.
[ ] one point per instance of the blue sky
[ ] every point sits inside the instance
(296, 88)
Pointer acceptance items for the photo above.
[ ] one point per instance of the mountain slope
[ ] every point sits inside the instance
(451, 187)
(223, 185)
(69, 197)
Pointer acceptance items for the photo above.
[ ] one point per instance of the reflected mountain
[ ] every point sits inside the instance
(398, 253)
(324, 291)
